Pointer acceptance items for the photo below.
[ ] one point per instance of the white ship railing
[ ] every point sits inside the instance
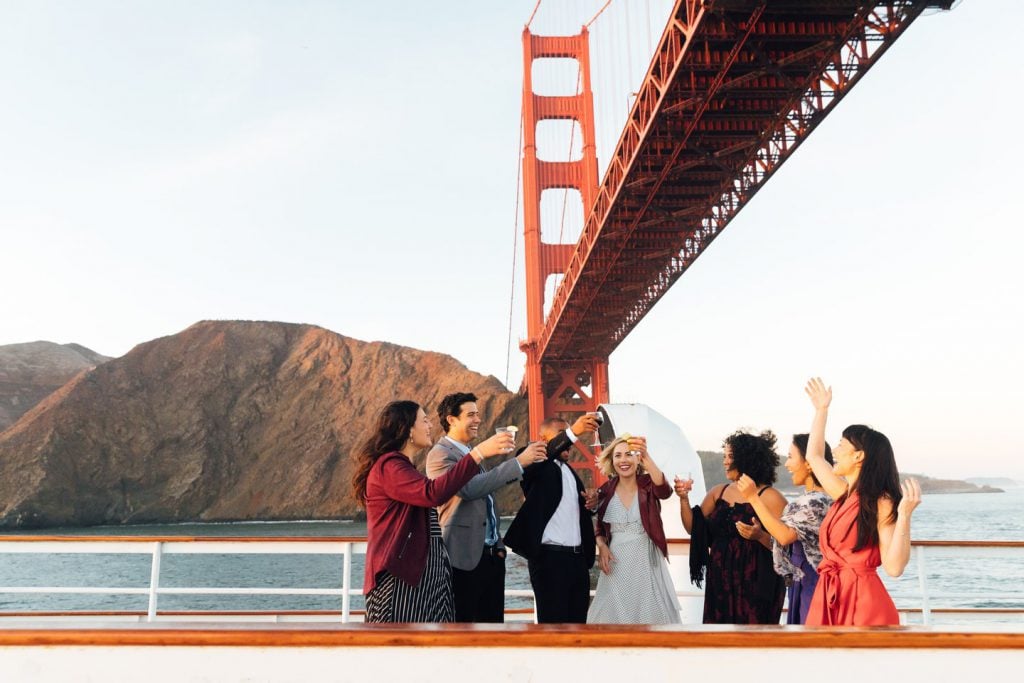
(348, 547)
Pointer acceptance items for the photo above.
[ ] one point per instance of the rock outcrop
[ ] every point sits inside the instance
(223, 421)
(31, 372)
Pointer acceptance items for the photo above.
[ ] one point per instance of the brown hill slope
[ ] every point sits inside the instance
(223, 421)
(31, 372)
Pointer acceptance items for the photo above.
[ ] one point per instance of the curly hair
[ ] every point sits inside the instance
(604, 460)
(754, 455)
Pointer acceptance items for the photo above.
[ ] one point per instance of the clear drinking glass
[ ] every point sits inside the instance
(597, 434)
(509, 430)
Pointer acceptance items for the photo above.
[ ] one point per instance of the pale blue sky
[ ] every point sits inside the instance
(353, 165)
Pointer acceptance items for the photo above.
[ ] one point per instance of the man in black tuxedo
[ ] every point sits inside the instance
(553, 529)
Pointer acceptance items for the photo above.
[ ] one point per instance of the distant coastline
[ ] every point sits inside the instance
(711, 464)
(932, 485)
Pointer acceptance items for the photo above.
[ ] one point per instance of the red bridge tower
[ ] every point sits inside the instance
(565, 385)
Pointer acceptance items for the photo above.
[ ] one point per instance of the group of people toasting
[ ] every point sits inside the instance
(436, 554)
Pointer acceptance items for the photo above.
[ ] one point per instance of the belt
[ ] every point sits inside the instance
(574, 549)
(829, 581)
(494, 551)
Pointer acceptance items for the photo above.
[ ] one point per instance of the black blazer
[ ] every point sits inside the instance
(542, 484)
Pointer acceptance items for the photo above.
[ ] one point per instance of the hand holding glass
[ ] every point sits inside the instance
(511, 431)
(599, 419)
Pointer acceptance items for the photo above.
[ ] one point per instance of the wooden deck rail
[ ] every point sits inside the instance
(514, 636)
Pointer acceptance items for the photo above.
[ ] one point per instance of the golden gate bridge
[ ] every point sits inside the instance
(731, 91)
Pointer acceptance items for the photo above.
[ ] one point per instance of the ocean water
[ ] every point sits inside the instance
(982, 578)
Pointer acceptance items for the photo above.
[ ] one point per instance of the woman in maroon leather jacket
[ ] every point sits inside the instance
(408, 577)
(634, 586)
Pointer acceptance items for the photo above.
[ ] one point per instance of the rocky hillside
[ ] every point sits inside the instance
(31, 372)
(223, 421)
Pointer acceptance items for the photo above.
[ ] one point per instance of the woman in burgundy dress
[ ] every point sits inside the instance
(728, 546)
(867, 526)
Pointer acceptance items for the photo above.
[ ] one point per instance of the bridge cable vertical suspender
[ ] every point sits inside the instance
(515, 245)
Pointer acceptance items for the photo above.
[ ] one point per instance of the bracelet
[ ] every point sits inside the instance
(479, 453)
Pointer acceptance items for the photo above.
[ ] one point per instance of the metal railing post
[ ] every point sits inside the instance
(154, 580)
(926, 614)
(346, 583)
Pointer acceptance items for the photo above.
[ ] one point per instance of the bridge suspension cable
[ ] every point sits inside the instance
(533, 14)
(599, 12)
(515, 243)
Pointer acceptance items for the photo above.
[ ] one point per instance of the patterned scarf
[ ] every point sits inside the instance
(804, 515)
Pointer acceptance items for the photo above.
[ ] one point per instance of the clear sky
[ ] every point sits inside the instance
(353, 165)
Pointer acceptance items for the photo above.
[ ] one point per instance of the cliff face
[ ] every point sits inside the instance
(224, 421)
(31, 372)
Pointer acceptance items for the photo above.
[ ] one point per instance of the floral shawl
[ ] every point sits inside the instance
(804, 515)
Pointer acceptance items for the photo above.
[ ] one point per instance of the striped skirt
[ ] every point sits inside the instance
(394, 601)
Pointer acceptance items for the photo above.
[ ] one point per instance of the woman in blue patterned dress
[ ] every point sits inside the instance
(795, 549)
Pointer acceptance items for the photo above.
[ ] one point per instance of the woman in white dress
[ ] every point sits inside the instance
(634, 586)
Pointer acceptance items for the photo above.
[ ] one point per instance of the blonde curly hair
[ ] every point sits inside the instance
(604, 460)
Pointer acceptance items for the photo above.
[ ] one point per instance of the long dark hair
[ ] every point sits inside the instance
(800, 441)
(878, 478)
(389, 434)
(754, 455)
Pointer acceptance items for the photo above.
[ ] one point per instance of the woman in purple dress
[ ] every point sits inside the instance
(795, 549)
(727, 547)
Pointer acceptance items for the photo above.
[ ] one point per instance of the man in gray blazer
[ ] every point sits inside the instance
(469, 521)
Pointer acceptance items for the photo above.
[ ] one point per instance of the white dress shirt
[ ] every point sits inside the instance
(564, 526)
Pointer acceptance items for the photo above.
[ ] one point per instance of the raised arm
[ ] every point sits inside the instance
(441, 459)
(768, 508)
(894, 537)
(821, 397)
(683, 488)
(404, 483)
(661, 487)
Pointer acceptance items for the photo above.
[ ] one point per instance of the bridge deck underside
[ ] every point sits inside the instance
(704, 136)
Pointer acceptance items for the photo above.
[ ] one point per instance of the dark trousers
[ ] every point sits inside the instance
(561, 584)
(480, 592)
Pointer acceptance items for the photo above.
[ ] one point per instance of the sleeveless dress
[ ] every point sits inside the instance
(394, 601)
(639, 589)
(742, 586)
(849, 591)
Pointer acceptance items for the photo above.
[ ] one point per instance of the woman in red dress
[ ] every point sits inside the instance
(868, 525)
